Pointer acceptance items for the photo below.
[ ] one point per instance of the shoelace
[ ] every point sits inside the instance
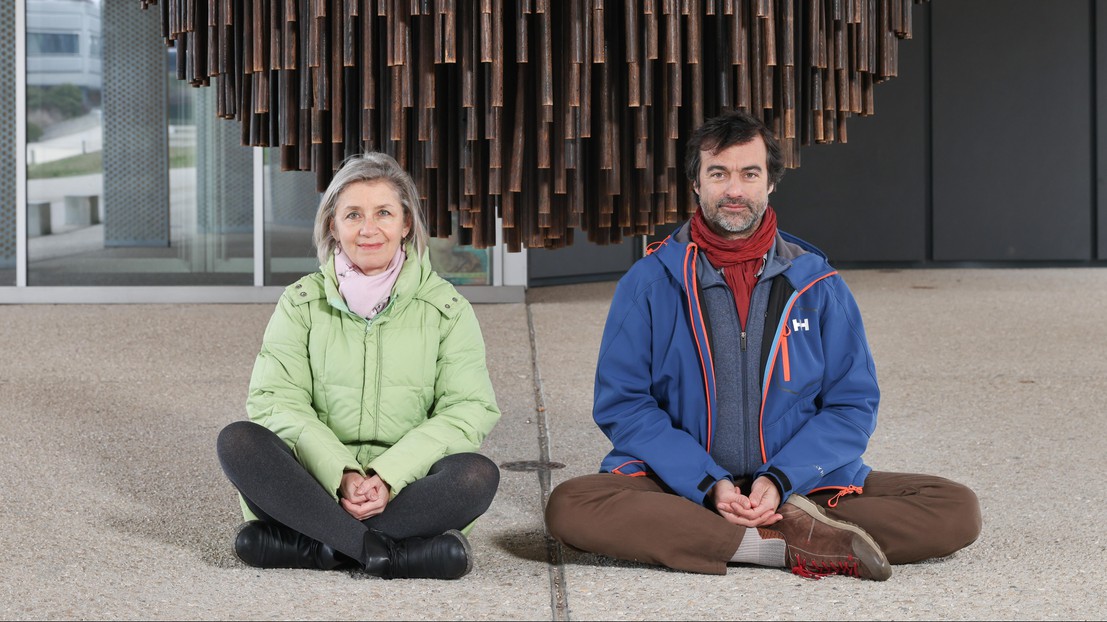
(811, 569)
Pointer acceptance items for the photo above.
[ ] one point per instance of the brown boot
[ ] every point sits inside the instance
(818, 545)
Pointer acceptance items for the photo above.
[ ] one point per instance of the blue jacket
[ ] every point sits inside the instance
(655, 386)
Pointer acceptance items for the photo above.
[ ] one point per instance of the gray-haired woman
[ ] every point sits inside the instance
(368, 401)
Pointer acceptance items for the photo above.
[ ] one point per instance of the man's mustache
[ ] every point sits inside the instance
(742, 202)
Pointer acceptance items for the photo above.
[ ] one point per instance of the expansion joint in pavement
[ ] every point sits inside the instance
(558, 599)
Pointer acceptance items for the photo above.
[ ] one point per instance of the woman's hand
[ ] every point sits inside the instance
(363, 497)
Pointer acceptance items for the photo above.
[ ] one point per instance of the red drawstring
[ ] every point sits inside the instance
(833, 503)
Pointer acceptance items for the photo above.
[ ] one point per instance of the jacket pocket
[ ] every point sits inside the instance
(797, 408)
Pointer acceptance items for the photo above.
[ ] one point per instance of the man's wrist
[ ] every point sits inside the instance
(711, 492)
(772, 477)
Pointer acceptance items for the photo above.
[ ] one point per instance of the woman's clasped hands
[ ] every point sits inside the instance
(363, 497)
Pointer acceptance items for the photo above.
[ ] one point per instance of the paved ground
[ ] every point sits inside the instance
(112, 505)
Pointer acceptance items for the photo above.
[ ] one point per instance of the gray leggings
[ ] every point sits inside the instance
(277, 489)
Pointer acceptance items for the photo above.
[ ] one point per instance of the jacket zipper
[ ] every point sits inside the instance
(693, 292)
(377, 407)
(785, 363)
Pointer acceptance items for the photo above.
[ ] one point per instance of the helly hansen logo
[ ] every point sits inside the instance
(800, 325)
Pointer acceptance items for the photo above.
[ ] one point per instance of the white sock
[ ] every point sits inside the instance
(758, 549)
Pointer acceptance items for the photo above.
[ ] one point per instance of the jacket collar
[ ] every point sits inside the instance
(412, 275)
(800, 262)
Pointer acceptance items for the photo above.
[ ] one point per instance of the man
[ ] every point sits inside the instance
(737, 388)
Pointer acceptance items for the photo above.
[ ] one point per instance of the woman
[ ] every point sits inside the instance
(368, 400)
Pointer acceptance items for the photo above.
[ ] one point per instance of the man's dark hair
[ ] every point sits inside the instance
(732, 127)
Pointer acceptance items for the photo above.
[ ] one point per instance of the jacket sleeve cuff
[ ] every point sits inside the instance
(783, 484)
(713, 475)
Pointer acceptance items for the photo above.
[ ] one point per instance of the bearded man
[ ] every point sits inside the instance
(737, 387)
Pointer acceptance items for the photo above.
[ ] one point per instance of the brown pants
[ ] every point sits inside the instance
(912, 517)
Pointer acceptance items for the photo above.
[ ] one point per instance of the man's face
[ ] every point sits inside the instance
(733, 188)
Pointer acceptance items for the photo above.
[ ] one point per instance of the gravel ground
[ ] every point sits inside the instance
(113, 506)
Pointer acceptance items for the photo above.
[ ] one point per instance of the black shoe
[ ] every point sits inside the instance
(447, 556)
(266, 545)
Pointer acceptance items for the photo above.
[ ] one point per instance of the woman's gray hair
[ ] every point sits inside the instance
(370, 166)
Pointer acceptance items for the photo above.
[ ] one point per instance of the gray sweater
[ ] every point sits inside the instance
(736, 356)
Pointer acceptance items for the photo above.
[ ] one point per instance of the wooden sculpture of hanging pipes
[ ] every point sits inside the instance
(549, 115)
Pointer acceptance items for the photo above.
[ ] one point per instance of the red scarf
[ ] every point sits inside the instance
(740, 260)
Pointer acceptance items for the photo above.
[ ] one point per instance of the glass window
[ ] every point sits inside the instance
(133, 178)
(459, 264)
(52, 43)
(290, 206)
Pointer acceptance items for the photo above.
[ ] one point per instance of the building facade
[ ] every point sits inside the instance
(121, 184)
(126, 187)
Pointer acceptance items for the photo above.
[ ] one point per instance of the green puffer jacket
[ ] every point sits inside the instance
(390, 396)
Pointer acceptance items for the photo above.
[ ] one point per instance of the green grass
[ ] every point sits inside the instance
(181, 157)
(90, 163)
(83, 164)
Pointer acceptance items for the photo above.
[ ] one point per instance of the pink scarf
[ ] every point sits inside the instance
(366, 295)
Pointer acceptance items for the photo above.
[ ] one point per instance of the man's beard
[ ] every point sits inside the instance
(741, 223)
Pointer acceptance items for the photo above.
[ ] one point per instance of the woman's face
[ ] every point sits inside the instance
(369, 224)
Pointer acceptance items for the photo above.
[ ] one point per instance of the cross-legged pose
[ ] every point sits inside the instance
(368, 401)
(736, 385)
